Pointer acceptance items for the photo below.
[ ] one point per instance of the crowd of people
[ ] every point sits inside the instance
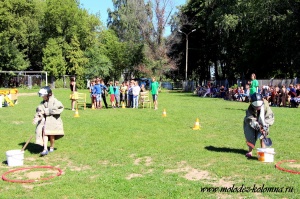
(125, 94)
(277, 96)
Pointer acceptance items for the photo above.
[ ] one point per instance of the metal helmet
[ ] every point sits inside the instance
(256, 100)
(45, 91)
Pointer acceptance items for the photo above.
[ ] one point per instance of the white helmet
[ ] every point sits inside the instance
(45, 91)
(256, 100)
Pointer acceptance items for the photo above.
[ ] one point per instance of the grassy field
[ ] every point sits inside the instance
(137, 153)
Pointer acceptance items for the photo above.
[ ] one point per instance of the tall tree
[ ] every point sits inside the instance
(19, 22)
(53, 60)
(144, 24)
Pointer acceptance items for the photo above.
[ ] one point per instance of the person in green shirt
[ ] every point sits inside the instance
(154, 92)
(253, 84)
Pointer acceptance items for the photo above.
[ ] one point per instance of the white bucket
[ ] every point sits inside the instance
(265, 154)
(15, 158)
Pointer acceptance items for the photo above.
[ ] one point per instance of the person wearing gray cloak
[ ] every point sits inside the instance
(259, 117)
(48, 120)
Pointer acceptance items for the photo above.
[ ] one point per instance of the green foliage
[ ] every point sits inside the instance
(98, 65)
(243, 36)
(115, 50)
(142, 24)
(53, 60)
(76, 58)
(12, 58)
(18, 27)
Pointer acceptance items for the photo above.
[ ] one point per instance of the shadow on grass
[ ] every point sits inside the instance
(236, 109)
(32, 148)
(228, 150)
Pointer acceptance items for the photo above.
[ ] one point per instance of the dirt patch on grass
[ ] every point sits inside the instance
(36, 175)
(134, 175)
(294, 165)
(147, 161)
(142, 161)
(194, 174)
(70, 165)
(108, 163)
(139, 175)
(26, 94)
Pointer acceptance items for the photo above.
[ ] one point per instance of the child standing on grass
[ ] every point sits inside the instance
(135, 92)
(74, 93)
(48, 120)
(97, 94)
(112, 94)
(117, 93)
(103, 92)
(123, 93)
(154, 92)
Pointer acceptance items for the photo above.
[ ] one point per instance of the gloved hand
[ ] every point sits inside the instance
(266, 129)
(255, 125)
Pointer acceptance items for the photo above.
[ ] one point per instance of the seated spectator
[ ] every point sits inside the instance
(207, 92)
(292, 91)
(230, 94)
(283, 96)
(274, 96)
(294, 98)
(241, 93)
(196, 91)
(201, 91)
(247, 93)
(298, 90)
(214, 92)
(222, 92)
(217, 91)
(235, 93)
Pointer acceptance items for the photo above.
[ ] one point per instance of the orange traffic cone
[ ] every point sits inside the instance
(76, 113)
(197, 125)
(164, 113)
(123, 105)
(93, 107)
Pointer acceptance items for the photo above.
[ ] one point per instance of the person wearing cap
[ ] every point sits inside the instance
(258, 116)
(48, 119)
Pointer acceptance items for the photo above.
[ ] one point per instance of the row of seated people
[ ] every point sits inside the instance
(275, 95)
(211, 91)
(236, 94)
(282, 96)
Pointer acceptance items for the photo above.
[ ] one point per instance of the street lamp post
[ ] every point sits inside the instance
(186, 50)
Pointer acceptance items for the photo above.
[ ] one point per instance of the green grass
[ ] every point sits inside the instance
(136, 153)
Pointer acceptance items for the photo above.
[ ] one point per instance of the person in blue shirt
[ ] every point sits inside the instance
(97, 94)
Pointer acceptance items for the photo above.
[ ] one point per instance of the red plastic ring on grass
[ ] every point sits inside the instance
(286, 170)
(29, 168)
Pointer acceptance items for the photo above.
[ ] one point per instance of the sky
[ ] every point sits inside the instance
(94, 6)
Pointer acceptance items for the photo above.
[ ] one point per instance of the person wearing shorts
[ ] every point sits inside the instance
(112, 94)
(154, 92)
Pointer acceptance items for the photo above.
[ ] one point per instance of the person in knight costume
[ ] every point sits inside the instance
(259, 117)
(47, 118)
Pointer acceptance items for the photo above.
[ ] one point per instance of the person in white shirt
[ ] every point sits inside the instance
(135, 92)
